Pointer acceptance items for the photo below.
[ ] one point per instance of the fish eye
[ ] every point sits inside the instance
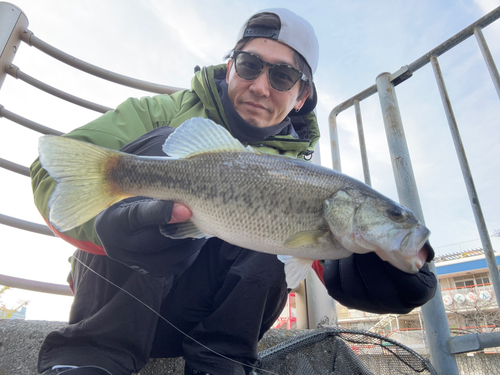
(395, 213)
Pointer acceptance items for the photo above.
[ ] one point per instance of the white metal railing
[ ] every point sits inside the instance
(13, 32)
(434, 313)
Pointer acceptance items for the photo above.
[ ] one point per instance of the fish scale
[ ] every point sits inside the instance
(221, 202)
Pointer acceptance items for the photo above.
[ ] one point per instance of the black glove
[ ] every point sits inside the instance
(130, 233)
(366, 282)
(133, 224)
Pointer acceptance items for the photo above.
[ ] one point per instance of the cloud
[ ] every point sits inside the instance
(201, 28)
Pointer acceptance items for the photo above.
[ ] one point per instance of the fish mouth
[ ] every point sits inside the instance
(408, 264)
(407, 253)
(409, 243)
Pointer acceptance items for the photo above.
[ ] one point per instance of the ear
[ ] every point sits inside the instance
(300, 102)
(229, 65)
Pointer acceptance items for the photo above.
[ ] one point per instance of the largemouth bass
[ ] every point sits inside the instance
(273, 204)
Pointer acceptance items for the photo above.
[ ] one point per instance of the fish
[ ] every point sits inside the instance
(274, 204)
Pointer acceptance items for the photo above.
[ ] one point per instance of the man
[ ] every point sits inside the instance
(215, 300)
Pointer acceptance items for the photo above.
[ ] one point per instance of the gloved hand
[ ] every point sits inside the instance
(366, 282)
(130, 233)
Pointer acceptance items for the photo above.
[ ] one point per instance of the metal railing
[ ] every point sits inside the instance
(435, 319)
(35, 286)
(15, 31)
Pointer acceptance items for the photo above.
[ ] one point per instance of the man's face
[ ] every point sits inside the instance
(256, 101)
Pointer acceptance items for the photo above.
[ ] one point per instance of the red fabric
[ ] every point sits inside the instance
(86, 246)
(318, 268)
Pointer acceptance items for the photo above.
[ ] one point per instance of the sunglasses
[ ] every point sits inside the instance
(249, 66)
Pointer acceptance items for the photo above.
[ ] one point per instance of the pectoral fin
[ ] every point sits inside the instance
(296, 269)
(307, 237)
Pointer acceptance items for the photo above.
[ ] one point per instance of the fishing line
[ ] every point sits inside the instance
(165, 320)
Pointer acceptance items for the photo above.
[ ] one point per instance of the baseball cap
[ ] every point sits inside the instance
(296, 33)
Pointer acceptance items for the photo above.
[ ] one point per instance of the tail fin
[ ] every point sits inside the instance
(82, 190)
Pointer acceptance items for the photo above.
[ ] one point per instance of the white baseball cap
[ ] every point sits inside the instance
(296, 33)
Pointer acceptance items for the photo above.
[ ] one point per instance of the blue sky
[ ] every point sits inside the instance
(162, 41)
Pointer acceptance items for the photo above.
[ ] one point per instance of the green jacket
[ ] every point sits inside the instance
(135, 117)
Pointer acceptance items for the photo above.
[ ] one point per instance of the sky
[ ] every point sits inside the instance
(162, 42)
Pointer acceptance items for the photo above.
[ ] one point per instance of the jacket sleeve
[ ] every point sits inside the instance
(366, 282)
(113, 130)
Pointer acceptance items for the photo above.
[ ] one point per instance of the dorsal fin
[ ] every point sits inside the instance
(200, 136)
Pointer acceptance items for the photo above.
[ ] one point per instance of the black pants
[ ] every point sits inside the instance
(226, 301)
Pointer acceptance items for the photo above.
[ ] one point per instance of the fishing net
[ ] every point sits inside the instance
(342, 352)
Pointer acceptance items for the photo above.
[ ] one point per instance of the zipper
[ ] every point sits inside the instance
(207, 82)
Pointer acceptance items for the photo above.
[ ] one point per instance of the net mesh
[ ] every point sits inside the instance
(335, 352)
